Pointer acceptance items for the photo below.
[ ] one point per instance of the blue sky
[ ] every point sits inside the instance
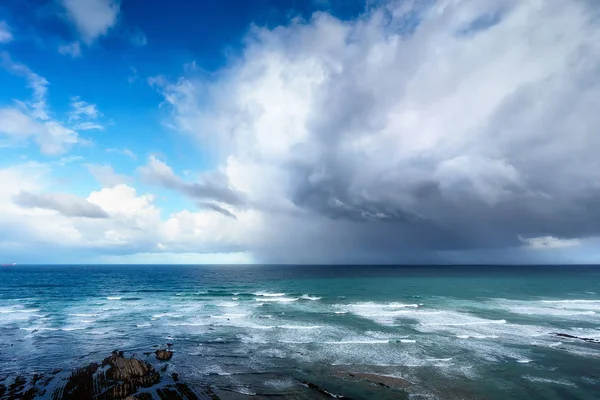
(298, 131)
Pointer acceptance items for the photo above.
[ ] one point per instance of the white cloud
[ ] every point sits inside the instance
(125, 152)
(93, 18)
(106, 175)
(179, 258)
(82, 110)
(380, 140)
(32, 119)
(549, 242)
(37, 83)
(52, 137)
(5, 34)
(72, 49)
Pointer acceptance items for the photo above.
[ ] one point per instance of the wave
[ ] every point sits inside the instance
(477, 336)
(299, 326)
(359, 342)
(226, 304)
(18, 310)
(143, 325)
(485, 322)
(269, 294)
(279, 299)
(226, 316)
(308, 297)
(114, 298)
(570, 301)
(83, 315)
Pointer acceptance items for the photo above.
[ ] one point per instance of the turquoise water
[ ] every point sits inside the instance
(450, 332)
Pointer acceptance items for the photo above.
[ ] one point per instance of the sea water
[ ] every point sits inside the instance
(485, 332)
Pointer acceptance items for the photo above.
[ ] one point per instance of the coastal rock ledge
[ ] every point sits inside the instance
(116, 377)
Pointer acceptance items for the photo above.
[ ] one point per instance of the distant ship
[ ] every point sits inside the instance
(9, 265)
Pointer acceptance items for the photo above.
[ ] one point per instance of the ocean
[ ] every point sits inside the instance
(364, 332)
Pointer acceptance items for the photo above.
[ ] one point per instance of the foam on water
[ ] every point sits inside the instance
(299, 326)
(549, 381)
(308, 297)
(279, 299)
(268, 294)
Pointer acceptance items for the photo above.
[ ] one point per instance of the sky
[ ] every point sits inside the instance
(300, 131)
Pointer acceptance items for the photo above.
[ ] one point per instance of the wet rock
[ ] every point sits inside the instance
(164, 355)
(317, 388)
(567, 336)
(116, 377)
(382, 380)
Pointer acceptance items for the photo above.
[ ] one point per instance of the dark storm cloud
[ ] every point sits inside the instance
(394, 146)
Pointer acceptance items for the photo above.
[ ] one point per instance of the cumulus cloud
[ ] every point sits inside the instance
(214, 186)
(417, 129)
(92, 18)
(72, 49)
(5, 34)
(67, 204)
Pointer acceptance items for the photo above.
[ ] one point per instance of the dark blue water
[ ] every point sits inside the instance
(448, 332)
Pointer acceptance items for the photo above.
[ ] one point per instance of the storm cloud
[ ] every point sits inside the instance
(412, 132)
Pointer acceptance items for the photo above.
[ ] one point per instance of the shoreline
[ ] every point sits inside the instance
(152, 375)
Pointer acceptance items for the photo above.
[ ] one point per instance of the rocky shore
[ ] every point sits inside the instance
(115, 377)
(151, 376)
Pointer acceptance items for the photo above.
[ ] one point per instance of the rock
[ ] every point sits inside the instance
(565, 335)
(117, 377)
(164, 355)
(387, 381)
(317, 388)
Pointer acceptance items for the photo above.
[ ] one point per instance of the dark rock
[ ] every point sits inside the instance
(169, 344)
(567, 336)
(164, 355)
(387, 381)
(317, 388)
(117, 377)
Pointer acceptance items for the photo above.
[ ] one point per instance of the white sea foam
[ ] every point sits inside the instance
(269, 294)
(358, 342)
(524, 361)
(226, 304)
(143, 325)
(279, 299)
(584, 301)
(308, 297)
(83, 315)
(228, 316)
(477, 336)
(550, 381)
(113, 298)
(299, 327)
